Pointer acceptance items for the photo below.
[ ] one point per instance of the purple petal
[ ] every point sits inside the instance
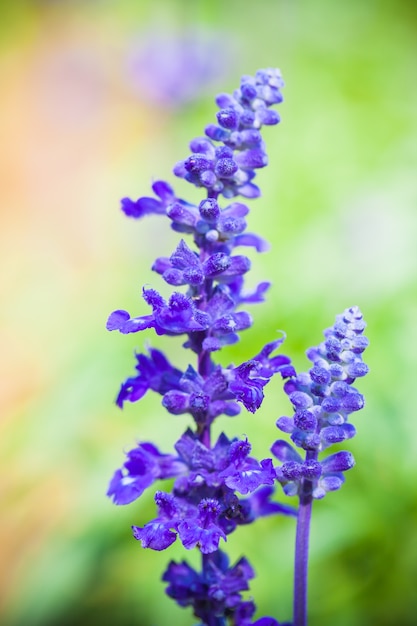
(249, 191)
(161, 264)
(237, 266)
(176, 402)
(216, 133)
(224, 100)
(285, 452)
(235, 209)
(131, 208)
(124, 490)
(153, 298)
(185, 583)
(155, 535)
(239, 450)
(207, 539)
(256, 296)
(184, 214)
(143, 466)
(202, 145)
(163, 190)
(216, 264)
(338, 462)
(247, 480)
(142, 206)
(183, 257)
(333, 482)
(250, 159)
(269, 117)
(136, 324)
(174, 277)
(249, 393)
(286, 424)
(227, 339)
(117, 320)
(132, 390)
(335, 434)
(231, 226)
(249, 239)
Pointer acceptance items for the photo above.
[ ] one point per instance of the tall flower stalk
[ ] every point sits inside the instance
(218, 485)
(323, 399)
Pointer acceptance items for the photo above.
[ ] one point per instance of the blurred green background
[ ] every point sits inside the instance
(98, 98)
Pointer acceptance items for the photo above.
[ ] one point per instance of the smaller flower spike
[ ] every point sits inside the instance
(323, 399)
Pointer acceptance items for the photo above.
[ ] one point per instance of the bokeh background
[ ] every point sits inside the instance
(98, 99)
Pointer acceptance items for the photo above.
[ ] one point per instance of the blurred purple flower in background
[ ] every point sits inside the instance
(171, 68)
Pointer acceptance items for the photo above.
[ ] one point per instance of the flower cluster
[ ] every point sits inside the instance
(205, 396)
(323, 399)
(214, 276)
(204, 506)
(229, 168)
(217, 592)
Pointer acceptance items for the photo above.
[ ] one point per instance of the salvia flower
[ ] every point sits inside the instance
(216, 486)
(206, 503)
(216, 591)
(323, 399)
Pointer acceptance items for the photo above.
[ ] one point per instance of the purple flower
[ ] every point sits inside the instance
(203, 531)
(203, 507)
(144, 465)
(175, 317)
(195, 525)
(227, 463)
(185, 268)
(156, 535)
(172, 69)
(323, 476)
(248, 379)
(204, 398)
(245, 474)
(147, 205)
(214, 591)
(154, 372)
